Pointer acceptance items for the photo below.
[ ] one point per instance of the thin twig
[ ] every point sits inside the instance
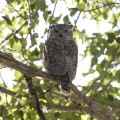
(15, 9)
(79, 109)
(53, 13)
(18, 108)
(9, 92)
(93, 18)
(4, 86)
(76, 21)
(109, 4)
(13, 33)
(113, 15)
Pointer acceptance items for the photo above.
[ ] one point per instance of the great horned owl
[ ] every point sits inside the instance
(61, 53)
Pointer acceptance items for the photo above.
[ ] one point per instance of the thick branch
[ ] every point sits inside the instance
(29, 71)
(35, 99)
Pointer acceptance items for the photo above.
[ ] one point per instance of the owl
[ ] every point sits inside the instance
(61, 54)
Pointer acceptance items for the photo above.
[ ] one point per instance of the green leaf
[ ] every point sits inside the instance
(73, 1)
(49, 12)
(1, 35)
(73, 11)
(33, 39)
(96, 34)
(17, 46)
(42, 5)
(118, 74)
(66, 19)
(45, 15)
(3, 111)
(110, 98)
(111, 37)
(110, 1)
(105, 15)
(10, 54)
(110, 40)
(94, 61)
(57, 114)
(36, 52)
(117, 40)
(20, 112)
(99, 68)
(80, 6)
(6, 18)
(53, 1)
(85, 1)
(103, 63)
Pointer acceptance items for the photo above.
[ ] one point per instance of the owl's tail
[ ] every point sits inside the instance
(65, 84)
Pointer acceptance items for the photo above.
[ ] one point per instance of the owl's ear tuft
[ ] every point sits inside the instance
(70, 26)
(51, 26)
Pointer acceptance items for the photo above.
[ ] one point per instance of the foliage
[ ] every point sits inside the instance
(23, 30)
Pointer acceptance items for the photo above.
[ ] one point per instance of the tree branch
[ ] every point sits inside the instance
(14, 94)
(116, 22)
(24, 69)
(13, 33)
(34, 97)
(54, 107)
(53, 13)
(76, 21)
(106, 5)
(76, 109)
(93, 110)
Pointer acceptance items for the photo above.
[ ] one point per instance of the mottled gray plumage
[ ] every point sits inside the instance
(60, 54)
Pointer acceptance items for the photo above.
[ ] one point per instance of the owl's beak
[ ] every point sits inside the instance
(60, 35)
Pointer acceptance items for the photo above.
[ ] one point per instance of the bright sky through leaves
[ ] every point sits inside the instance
(83, 24)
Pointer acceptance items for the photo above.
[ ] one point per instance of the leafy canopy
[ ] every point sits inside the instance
(23, 30)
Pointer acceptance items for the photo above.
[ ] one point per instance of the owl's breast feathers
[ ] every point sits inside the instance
(61, 57)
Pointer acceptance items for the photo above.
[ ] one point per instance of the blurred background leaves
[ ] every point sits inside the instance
(23, 31)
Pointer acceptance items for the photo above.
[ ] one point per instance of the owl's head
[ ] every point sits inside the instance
(61, 31)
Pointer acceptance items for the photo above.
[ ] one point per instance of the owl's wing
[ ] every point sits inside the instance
(54, 57)
(72, 55)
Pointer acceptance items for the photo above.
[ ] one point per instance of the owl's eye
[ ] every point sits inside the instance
(56, 31)
(65, 31)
